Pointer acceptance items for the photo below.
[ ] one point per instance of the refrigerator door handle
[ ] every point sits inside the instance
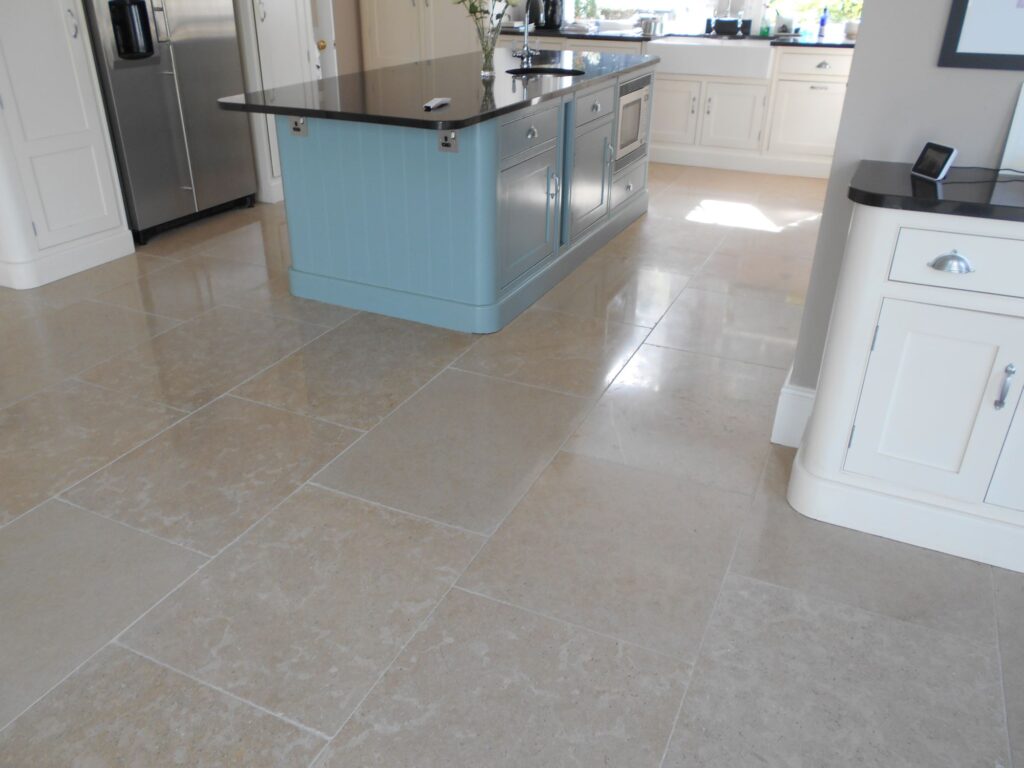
(160, 25)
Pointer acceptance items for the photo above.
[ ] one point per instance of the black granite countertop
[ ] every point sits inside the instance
(965, 191)
(789, 42)
(396, 95)
(626, 36)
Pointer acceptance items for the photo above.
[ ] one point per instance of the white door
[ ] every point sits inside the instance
(805, 120)
(733, 115)
(928, 417)
(1007, 489)
(676, 110)
(323, 30)
(447, 29)
(284, 37)
(52, 110)
(391, 31)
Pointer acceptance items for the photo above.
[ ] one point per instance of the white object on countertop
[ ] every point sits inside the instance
(852, 29)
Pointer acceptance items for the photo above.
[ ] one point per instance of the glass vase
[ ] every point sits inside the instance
(488, 35)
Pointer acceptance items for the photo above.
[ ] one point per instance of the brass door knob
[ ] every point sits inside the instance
(321, 45)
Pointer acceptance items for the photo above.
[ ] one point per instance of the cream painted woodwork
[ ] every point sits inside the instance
(402, 31)
(676, 110)
(733, 115)
(805, 120)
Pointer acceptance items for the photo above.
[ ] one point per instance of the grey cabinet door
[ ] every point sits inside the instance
(528, 197)
(591, 174)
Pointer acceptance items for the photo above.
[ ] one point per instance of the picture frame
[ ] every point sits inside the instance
(984, 34)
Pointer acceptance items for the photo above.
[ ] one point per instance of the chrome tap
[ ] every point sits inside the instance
(526, 53)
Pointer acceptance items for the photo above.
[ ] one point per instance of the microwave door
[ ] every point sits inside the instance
(631, 122)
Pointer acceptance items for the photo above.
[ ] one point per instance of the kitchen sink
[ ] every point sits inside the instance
(724, 58)
(553, 71)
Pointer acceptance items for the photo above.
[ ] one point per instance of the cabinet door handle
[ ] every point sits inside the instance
(74, 24)
(693, 105)
(824, 65)
(263, 11)
(953, 262)
(709, 105)
(532, 133)
(595, 107)
(629, 187)
(1004, 391)
(819, 87)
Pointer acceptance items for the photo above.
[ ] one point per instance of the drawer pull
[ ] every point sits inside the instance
(1004, 391)
(824, 65)
(595, 107)
(952, 262)
(629, 187)
(532, 132)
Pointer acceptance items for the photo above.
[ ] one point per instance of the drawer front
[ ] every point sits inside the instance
(529, 132)
(628, 183)
(822, 65)
(997, 262)
(594, 105)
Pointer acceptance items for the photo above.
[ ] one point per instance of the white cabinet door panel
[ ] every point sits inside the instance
(391, 32)
(676, 110)
(54, 119)
(927, 417)
(447, 29)
(734, 115)
(1007, 489)
(805, 119)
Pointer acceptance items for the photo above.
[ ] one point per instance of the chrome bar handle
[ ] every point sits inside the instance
(74, 24)
(693, 105)
(1004, 391)
(558, 187)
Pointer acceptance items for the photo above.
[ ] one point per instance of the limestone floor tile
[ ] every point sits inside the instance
(123, 710)
(307, 610)
(188, 288)
(630, 553)
(752, 329)
(208, 478)
(203, 358)
(20, 305)
(263, 243)
(790, 680)
(58, 436)
(791, 243)
(663, 244)
(609, 290)
(183, 240)
(71, 582)
(486, 684)
(719, 182)
(45, 349)
(1010, 609)
(753, 272)
(92, 282)
(463, 450)
(698, 417)
(359, 372)
(275, 298)
(783, 547)
(575, 355)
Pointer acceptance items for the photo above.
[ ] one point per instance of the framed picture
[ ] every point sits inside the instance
(984, 34)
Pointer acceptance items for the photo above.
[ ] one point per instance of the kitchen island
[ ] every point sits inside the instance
(464, 216)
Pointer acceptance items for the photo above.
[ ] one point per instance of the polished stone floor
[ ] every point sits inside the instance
(243, 529)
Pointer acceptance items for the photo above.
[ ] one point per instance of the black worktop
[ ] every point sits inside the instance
(625, 36)
(396, 95)
(628, 37)
(965, 191)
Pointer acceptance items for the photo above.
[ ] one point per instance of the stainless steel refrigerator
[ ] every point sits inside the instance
(163, 64)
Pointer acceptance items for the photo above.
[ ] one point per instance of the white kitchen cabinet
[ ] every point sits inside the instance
(64, 191)
(805, 118)
(733, 115)
(928, 417)
(402, 31)
(676, 110)
(537, 42)
(1007, 488)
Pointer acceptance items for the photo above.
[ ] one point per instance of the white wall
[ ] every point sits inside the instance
(897, 99)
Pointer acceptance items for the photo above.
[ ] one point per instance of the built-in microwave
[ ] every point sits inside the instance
(634, 120)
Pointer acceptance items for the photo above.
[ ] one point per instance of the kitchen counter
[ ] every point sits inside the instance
(396, 95)
(787, 42)
(460, 218)
(625, 35)
(965, 191)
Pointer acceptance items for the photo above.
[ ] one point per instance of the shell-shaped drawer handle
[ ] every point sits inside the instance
(595, 107)
(953, 262)
(824, 65)
(532, 133)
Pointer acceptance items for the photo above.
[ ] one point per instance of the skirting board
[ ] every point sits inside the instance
(754, 162)
(792, 413)
(66, 260)
(912, 522)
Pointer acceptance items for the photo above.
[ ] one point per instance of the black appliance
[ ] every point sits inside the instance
(552, 14)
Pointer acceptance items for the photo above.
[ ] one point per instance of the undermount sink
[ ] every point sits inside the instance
(724, 58)
(553, 71)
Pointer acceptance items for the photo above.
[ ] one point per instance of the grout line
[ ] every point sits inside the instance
(225, 692)
(1002, 669)
(131, 527)
(96, 300)
(126, 395)
(540, 387)
(583, 627)
(232, 394)
(714, 610)
(717, 357)
(396, 510)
